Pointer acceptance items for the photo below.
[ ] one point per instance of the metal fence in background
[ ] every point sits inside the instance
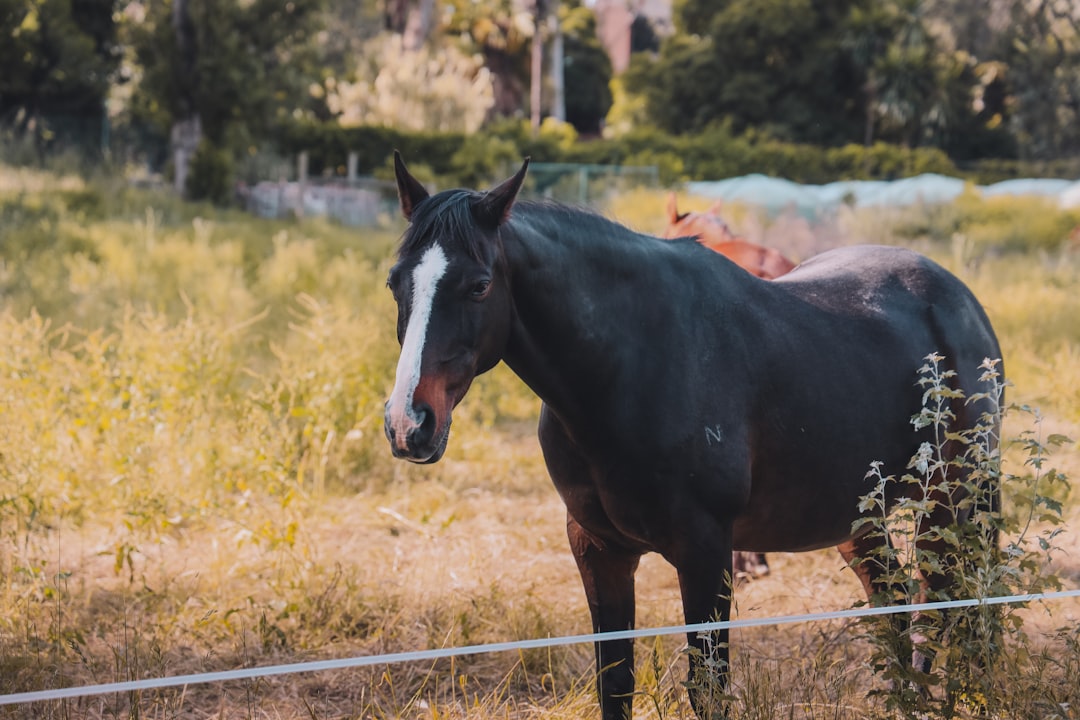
(366, 201)
(360, 202)
(586, 185)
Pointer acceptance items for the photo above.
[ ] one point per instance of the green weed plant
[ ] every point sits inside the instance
(977, 653)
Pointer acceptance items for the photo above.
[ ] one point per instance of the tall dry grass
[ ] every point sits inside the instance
(193, 477)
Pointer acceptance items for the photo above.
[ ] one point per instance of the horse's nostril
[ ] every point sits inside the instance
(425, 416)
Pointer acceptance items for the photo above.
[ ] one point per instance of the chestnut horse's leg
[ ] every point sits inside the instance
(876, 571)
(706, 583)
(748, 564)
(608, 576)
(859, 553)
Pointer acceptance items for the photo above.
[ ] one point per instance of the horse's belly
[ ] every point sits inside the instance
(809, 498)
(771, 535)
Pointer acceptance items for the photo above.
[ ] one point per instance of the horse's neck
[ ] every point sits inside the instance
(568, 293)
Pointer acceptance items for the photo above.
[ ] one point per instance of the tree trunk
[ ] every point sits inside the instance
(418, 25)
(508, 89)
(185, 137)
(558, 86)
(187, 126)
(536, 77)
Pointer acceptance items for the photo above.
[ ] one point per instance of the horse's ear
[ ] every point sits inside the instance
(494, 207)
(410, 191)
(673, 208)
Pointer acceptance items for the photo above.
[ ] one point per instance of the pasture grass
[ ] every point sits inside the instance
(193, 477)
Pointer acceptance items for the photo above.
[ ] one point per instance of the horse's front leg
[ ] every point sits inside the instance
(705, 578)
(608, 576)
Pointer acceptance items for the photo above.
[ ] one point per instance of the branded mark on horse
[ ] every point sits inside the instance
(709, 229)
(689, 408)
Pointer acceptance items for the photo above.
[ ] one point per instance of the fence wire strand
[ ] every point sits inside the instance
(439, 653)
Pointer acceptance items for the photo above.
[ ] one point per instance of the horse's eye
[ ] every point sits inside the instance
(480, 289)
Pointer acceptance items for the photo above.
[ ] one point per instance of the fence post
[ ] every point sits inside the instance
(301, 180)
(350, 172)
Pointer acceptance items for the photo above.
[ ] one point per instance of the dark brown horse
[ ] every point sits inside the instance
(709, 229)
(689, 408)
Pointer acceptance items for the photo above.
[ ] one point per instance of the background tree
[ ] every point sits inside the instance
(344, 28)
(643, 37)
(1040, 46)
(777, 65)
(500, 30)
(908, 79)
(586, 70)
(972, 33)
(868, 34)
(411, 19)
(57, 63)
(225, 69)
(675, 100)
(436, 87)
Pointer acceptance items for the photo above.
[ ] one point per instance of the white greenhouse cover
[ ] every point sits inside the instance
(776, 194)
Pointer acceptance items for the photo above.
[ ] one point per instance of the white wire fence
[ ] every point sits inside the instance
(515, 646)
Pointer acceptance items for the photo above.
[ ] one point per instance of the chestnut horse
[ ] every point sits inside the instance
(689, 408)
(711, 231)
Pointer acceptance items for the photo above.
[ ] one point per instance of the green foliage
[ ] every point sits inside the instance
(989, 171)
(910, 72)
(587, 71)
(501, 32)
(210, 175)
(58, 60)
(1040, 53)
(716, 152)
(804, 88)
(948, 531)
(976, 226)
(238, 66)
(481, 160)
(329, 145)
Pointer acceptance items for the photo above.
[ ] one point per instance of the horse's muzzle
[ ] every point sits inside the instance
(416, 440)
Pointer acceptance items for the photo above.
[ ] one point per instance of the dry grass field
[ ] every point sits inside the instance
(193, 478)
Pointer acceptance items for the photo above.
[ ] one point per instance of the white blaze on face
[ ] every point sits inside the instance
(425, 279)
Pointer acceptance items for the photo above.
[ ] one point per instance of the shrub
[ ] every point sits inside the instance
(714, 153)
(978, 225)
(210, 175)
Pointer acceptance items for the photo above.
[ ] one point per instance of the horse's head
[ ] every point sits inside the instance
(454, 306)
(709, 226)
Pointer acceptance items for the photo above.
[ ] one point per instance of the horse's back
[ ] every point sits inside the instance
(897, 288)
(875, 278)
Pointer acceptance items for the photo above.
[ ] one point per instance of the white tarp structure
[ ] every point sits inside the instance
(776, 194)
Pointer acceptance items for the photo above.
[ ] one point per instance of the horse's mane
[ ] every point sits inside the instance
(449, 214)
(554, 216)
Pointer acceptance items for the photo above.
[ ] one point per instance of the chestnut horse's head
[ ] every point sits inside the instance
(453, 303)
(711, 231)
(708, 225)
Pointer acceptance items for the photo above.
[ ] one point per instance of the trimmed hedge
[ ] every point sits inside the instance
(457, 159)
